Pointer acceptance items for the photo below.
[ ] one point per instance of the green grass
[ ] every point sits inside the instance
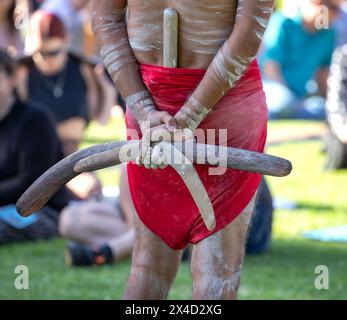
(286, 272)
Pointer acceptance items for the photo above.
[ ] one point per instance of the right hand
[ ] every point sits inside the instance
(148, 123)
(156, 118)
(165, 130)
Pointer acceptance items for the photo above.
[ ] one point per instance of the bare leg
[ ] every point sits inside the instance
(217, 260)
(154, 266)
(96, 224)
(91, 223)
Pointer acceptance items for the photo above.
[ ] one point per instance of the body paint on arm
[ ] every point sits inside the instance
(110, 29)
(234, 57)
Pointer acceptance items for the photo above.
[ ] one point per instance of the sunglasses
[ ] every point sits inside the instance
(51, 54)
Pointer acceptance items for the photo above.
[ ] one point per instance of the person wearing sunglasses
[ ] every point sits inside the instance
(74, 15)
(73, 88)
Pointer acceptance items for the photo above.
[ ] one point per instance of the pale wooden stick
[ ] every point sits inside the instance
(170, 38)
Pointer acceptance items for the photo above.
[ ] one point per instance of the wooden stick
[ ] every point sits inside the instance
(232, 158)
(170, 38)
(102, 156)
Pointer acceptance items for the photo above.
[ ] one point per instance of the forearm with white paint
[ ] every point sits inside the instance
(231, 61)
(109, 27)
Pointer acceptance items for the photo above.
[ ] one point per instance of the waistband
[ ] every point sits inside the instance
(164, 81)
(171, 87)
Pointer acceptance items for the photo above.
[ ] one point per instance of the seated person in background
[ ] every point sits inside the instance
(28, 147)
(68, 85)
(102, 233)
(336, 108)
(296, 51)
(10, 38)
(72, 89)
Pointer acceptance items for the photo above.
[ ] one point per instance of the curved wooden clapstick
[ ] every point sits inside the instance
(110, 154)
(109, 158)
(181, 157)
(199, 153)
(52, 180)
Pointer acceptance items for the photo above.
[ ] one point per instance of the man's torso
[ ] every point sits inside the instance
(204, 26)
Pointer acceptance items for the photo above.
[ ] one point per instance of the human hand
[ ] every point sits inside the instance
(153, 157)
(156, 118)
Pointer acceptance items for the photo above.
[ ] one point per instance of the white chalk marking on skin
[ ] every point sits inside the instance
(145, 31)
(111, 21)
(140, 102)
(228, 67)
(137, 97)
(200, 39)
(146, 34)
(107, 48)
(212, 283)
(261, 17)
(227, 70)
(216, 283)
(111, 58)
(116, 66)
(194, 113)
(117, 56)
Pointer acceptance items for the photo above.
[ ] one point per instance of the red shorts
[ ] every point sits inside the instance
(161, 199)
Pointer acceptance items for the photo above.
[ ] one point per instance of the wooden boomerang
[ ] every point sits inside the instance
(110, 154)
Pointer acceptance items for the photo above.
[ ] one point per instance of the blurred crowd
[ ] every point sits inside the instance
(52, 85)
(303, 62)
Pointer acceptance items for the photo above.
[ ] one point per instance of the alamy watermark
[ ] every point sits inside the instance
(322, 22)
(21, 281)
(322, 281)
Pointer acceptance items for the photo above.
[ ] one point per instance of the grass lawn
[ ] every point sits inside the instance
(287, 272)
